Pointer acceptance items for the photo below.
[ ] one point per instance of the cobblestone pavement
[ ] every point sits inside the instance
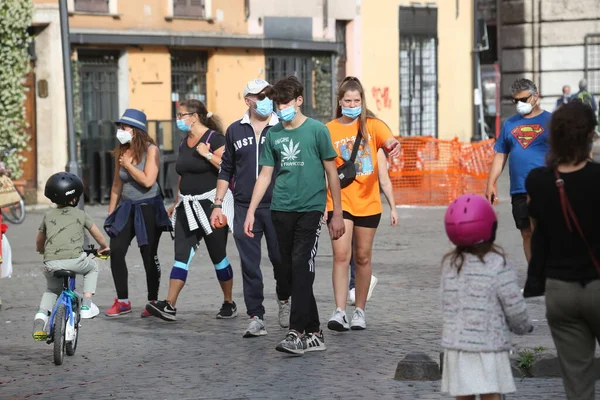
(200, 357)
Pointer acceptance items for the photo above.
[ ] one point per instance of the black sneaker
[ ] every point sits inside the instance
(162, 309)
(314, 342)
(228, 310)
(292, 344)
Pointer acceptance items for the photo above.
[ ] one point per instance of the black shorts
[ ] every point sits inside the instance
(520, 211)
(369, 221)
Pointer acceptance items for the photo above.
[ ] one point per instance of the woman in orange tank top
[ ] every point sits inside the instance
(361, 200)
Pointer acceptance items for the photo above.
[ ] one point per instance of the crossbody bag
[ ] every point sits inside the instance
(347, 171)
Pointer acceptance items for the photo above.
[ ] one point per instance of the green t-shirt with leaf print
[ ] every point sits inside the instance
(299, 153)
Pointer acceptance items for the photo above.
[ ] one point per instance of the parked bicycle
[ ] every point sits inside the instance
(15, 212)
(64, 322)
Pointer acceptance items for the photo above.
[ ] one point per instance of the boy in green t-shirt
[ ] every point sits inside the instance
(60, 239)
(301, 148)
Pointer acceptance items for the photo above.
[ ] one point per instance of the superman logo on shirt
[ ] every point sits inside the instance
(526, 134)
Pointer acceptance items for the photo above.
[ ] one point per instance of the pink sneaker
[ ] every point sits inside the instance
(145, 313)
(118, 308)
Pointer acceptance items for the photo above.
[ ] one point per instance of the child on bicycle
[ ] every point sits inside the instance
(481, 302)
(60, 239)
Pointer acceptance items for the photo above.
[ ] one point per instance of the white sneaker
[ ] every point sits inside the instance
(256, 328)
(374, 281)
(39, 326)
(358, 322)
(284, 313)
(338, 321)
(89, 312)
(352, 296)
(314, 342)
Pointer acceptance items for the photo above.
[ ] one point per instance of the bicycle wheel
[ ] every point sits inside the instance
(15, 213)
(72, 344)
(60, 322)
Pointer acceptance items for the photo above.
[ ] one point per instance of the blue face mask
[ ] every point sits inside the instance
(351, 112)
(287, 114)
(182, 126)
(264, 107)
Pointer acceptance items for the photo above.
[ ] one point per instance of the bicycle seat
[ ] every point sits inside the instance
(64, 273)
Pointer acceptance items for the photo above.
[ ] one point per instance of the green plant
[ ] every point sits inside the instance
(525, 360)
(15, 18)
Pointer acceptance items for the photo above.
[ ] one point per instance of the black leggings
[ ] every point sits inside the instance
(118, 249)
(186, 244)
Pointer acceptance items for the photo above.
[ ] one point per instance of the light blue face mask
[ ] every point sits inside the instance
(351, 112)
(287, 114)
(182, 126)
(264, 107)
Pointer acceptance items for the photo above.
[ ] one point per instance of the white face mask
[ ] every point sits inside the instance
(524, 108)
(124, 136)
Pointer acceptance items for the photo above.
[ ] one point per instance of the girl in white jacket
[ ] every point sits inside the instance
(481, 302)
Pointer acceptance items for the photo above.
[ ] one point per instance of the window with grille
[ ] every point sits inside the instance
(95, 6)
(315, 74)
(418, 72)
(188, 77)
(592, 63)
(99, 86)
(189, 8)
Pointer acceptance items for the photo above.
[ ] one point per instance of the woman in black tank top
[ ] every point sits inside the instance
(198, 166)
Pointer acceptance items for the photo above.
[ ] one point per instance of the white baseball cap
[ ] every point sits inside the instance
(255, 86)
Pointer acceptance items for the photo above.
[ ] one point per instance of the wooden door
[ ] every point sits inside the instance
(30, 166)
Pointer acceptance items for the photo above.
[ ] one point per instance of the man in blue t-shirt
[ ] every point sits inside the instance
(525, 137)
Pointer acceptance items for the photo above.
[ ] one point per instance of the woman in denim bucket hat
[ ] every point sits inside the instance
(136, 208)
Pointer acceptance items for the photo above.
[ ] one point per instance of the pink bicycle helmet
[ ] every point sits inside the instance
(470, 220)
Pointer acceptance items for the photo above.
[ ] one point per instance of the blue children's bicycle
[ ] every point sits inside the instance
(64, 320)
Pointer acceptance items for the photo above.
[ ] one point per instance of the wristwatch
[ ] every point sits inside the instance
(208, 156)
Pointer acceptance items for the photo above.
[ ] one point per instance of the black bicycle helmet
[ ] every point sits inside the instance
(63, 187)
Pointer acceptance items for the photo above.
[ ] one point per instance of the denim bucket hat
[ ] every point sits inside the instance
(135, 118)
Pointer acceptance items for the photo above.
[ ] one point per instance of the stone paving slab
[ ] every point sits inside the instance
(200, 357)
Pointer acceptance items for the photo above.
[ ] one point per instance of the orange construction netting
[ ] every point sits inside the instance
(433, 172)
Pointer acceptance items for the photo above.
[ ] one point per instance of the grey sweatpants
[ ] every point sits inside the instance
(83, 265)
(573, 313)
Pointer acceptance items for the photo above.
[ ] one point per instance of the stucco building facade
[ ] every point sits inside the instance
(414, 59)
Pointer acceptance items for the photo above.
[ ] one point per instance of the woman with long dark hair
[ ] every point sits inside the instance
(198, 168)
(361, 199)
(136, 208)
(563, 206)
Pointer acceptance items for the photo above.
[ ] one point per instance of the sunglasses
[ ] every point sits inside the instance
(522, 99)
(181, 115)
(260, 96)
(350, 78)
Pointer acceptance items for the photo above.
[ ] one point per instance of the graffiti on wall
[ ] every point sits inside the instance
(382, 97)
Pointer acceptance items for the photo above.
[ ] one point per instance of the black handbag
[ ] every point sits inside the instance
(347, 171)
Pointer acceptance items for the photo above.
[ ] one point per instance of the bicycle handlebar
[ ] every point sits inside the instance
(91, 249)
